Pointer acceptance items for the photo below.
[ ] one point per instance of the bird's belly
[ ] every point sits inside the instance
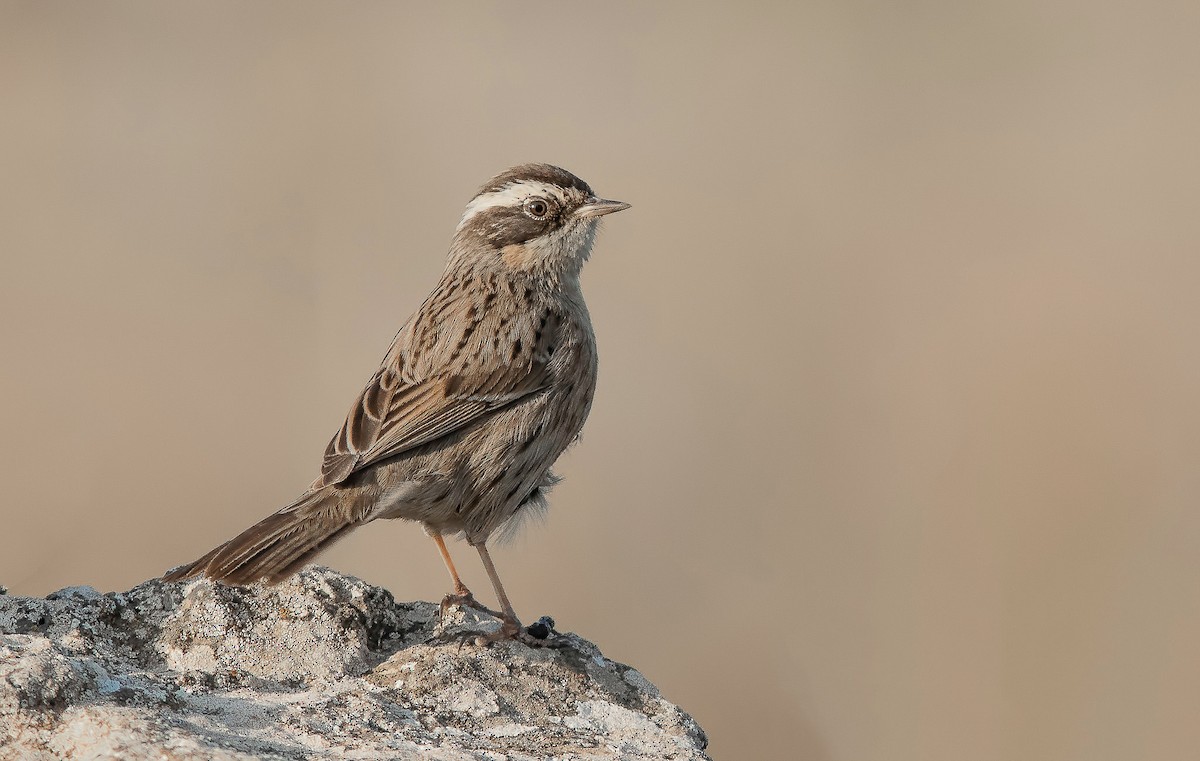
(511, 458)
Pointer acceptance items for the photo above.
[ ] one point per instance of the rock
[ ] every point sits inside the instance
(320, 666)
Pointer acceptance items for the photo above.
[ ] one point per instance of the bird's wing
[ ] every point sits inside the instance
(392, 416)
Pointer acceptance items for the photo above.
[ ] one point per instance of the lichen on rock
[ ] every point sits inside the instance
(322, 666)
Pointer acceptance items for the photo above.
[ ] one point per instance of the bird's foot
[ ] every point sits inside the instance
(464, 598)
(538, 634)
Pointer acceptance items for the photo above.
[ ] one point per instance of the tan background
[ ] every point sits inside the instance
(894, 454)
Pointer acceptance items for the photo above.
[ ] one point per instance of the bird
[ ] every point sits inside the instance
(485, 385)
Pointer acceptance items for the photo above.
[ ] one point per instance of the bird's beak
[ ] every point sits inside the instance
(598, 207)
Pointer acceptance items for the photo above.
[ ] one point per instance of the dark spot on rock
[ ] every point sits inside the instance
(541, 628)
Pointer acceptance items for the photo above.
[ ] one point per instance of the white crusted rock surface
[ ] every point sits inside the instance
(323, 666)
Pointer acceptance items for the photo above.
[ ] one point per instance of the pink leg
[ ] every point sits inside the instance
(461, 595)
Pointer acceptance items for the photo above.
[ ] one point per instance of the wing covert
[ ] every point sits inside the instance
(391, 418)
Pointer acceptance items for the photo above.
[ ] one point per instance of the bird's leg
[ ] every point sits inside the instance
(511, 627)
(461, 595)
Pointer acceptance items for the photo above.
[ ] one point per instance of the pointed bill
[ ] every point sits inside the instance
(598, 207)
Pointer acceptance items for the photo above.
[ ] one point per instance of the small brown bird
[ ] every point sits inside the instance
(482, 390)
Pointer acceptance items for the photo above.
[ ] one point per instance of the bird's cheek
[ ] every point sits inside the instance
(517, 257)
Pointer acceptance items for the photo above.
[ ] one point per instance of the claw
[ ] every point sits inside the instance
(537, 635)
(466, 600)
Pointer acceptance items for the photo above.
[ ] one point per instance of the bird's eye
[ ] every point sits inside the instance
(537, 208)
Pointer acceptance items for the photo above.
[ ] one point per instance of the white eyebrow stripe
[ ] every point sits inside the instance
(510, 195)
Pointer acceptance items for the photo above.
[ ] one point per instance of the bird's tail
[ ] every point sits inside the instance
(277, 546)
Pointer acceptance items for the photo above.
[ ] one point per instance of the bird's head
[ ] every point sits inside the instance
(534, 218)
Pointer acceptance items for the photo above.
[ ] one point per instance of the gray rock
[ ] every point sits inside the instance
(322, 666)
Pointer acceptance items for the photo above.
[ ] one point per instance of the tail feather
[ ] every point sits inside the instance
(277, 546)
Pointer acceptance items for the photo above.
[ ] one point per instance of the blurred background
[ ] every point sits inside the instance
(894, 453)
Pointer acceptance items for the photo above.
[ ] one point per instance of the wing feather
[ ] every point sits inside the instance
(391, 416)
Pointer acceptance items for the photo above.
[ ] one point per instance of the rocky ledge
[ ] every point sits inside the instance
(322, 666)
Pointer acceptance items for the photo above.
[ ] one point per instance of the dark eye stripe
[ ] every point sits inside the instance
(507, 226)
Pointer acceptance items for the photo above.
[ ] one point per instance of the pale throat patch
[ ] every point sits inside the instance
(512, 194)
(569, 246)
